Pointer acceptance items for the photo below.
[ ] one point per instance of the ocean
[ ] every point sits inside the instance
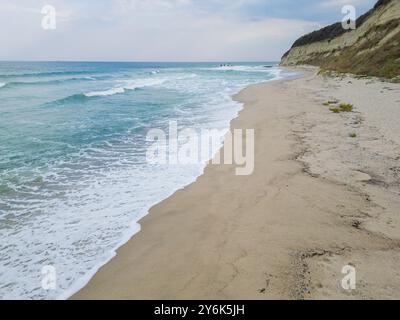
(74, 180)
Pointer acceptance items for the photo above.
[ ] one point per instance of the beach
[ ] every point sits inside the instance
(77, 170)
(324, 195)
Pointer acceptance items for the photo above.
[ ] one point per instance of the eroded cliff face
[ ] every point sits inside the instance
(372, 49)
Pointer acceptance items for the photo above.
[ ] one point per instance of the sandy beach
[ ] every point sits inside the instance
(324, 194)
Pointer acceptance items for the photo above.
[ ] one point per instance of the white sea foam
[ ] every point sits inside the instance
(142, 83)
(126, 85)
(2, 84)
(104, 93)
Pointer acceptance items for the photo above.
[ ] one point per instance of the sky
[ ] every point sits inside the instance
(163, 30)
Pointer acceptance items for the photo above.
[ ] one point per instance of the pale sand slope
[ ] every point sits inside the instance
(287, 230)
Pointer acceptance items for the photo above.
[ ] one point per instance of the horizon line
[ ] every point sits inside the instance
(145, 61)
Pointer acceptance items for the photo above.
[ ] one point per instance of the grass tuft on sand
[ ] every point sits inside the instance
(346, 107)
(335, 107)
(335, 110)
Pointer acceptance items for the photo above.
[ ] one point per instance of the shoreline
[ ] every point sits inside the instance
(136, 226)
(221, 248)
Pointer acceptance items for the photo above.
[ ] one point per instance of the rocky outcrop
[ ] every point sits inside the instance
(373, 48)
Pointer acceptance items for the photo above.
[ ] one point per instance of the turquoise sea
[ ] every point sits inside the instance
(74, 179)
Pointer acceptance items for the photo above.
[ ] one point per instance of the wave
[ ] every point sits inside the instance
(261, 68)
(128, 85)
(46, 82)
(187, 76)
(2, 84)
(44, 74)
(104, 93)
(73, 98)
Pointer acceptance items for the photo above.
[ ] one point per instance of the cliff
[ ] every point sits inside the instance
(373, 48)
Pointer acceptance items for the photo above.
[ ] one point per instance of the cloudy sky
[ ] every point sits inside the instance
(163, 30)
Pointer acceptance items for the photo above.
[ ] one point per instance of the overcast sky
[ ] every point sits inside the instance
(163, 30)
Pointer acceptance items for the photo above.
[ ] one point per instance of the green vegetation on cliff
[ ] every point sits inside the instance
(372, 49)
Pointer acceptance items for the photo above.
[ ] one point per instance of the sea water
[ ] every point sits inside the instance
(74, 180)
